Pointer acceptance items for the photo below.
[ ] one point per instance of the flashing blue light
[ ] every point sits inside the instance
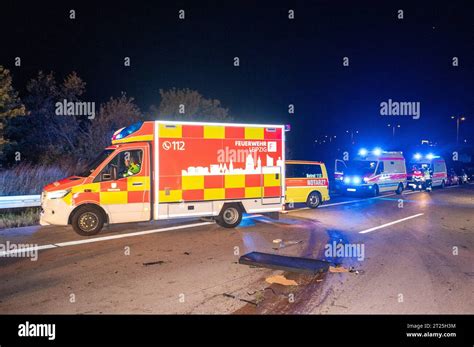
(417, 156)
(363, 152)
(356, 180)
(430, 156)
(128, 130)
(347, 180)
(377, 151)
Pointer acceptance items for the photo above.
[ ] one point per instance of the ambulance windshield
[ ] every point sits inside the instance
(360, 167)
(89, 168)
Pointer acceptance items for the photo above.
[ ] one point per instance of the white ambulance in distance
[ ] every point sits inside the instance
(373, 173)
(435, 164)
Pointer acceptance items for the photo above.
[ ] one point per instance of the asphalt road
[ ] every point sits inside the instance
(418, 257)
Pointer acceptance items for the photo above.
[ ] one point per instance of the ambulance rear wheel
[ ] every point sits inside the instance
(314, 200)
(88, 221)
(230, 216)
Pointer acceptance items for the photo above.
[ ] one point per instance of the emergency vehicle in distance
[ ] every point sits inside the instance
(164, 169)
(435, 165)
(306, 181)
(373, 173)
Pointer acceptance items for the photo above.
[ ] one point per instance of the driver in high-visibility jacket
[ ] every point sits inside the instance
(132, 168)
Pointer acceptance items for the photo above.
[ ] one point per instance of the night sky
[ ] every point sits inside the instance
(282, 61)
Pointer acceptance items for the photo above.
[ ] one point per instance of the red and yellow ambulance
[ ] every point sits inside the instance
(163, 169)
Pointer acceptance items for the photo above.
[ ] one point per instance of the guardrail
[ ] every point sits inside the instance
(20, 201)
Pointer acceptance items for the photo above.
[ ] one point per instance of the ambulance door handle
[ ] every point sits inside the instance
(137, 184)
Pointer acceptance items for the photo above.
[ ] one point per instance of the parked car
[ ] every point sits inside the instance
(452, 178)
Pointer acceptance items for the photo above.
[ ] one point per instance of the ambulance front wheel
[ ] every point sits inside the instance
(230, 216)
(88, 220)
(375, 190)
(399, 189)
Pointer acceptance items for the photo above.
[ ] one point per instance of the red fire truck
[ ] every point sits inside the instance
(163, 169)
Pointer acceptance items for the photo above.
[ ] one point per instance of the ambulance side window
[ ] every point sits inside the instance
(380, 169)
(303, 171)
(130, 163)
(109, 172)
(290, 171)
(124, 164)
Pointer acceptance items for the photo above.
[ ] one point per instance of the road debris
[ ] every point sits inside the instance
(159, 262)
(240, 299)
(277, 241)
(280, 279)
(338, 269)
(357, 272)
(284, 244)
(286, 263)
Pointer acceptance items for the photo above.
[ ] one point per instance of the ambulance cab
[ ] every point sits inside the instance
(306, 182)
(372, 172)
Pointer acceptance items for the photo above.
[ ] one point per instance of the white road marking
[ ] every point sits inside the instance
(343, 202)
(359, 200)
(389, 224)
(104, 238)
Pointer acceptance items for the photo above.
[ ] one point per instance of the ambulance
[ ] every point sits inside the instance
(158, 170)
(436, 166)
(372, 172)
(306, 182)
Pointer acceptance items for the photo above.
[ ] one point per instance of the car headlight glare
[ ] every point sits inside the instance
(356, 180)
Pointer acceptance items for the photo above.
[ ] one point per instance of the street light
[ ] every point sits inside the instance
(458, 120)
(393, 128)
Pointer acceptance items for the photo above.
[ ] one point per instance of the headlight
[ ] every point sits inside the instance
(356, 180)
(347, 180)
(58, 194)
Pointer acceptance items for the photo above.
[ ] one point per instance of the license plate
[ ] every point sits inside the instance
(351, 189)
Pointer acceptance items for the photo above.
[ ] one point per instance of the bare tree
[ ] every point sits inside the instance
(188, 105)
(113, 115)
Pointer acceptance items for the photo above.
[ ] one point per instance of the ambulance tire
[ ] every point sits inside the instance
(313, 200)
(375, 190)
(230, 216)
(88, 220)
(399, 189)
